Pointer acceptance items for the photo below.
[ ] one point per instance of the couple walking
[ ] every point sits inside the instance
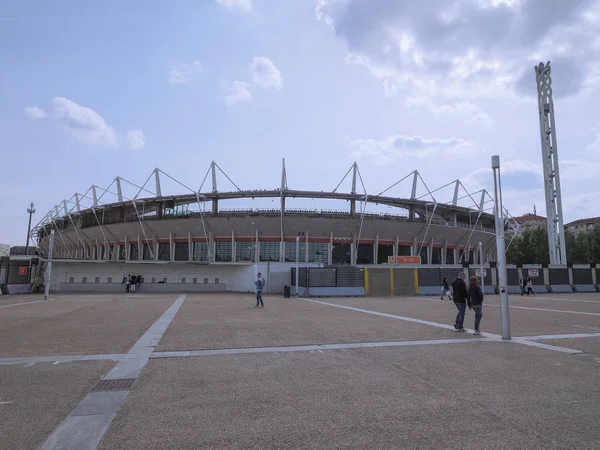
(471, 297)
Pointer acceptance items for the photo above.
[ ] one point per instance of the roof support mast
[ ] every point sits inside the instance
(556, 231)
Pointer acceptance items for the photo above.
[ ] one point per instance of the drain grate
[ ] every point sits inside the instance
(114, 385)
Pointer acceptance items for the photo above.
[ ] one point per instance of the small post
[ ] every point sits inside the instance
(49, 266)
(501, 249)
(297, 262)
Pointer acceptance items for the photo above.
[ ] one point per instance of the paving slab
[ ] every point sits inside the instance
(491, 395)
(77, 325)
(524, 322)
(231, 321)
(35, 400)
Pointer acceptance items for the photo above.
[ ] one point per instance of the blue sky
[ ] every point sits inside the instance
(92, 90)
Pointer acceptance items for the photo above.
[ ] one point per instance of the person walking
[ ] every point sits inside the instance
(459, 296)
(530, 287)
(132, 283)
(475, 302)
(446, 289)
(259, 283)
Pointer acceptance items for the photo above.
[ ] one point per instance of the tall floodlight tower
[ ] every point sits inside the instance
(556, 231)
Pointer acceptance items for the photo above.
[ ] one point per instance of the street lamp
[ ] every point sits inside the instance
(500, 248)
(31, 211)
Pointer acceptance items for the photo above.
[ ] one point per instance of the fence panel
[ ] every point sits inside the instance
(379, 282)
(350, 277)
(404, 282)
(321, 277)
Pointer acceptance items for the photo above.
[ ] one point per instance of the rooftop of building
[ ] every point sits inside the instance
(590, 220)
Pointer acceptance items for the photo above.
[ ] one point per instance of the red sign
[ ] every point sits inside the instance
(23, 270)
(404, 260)
(532, 273)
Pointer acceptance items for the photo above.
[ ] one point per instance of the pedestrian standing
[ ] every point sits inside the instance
(475, 302)
(459, 296)
(446, 289)
(522, 284)
(132, 282)
(259, 283)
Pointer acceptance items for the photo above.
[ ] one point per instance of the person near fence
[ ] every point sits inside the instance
(259, 283)
(530, 287)
(522, 285)
(459, 296)
(446, 289)
(475, 302)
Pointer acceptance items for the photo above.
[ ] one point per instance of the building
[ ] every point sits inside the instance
(4, 250)
(188, 239)
(580, 225)
(530, 222)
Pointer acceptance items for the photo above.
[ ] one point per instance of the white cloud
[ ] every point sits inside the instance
(468, 49)
(241, 5)
(390, 149)
(239, 92)
(33, 112)
(86, 125)
(184, 73)
(264, 75)
(480, 119)
(135, 139)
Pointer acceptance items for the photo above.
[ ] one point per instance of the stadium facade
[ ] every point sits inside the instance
(192, 239)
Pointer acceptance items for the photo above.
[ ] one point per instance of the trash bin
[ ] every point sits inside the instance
(286, 292)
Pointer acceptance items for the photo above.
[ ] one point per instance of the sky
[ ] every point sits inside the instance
(94, 90)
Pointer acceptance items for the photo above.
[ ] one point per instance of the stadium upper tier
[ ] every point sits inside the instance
(90, 221)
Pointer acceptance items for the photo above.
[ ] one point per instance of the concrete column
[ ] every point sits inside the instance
(414, 247)
(211, 245)
(594, 277)
(256, 244)
(353, 249)
(215, 207)
(454, 219)
(330, 250)
(98, 252)
(376, 249)
(154, 249)
(140, 249)
(570, 269)
(233, 250)
(430, 252)
(171, 247)
(127, 250)
(456, 253)
(444, 251)
(306, 247)
(396, 245)
(190, 247)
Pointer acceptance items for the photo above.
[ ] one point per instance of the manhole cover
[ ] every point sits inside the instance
(114, 385)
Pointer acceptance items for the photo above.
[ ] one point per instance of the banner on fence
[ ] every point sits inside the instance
(404, 260)
(532, 273)
(478, 273)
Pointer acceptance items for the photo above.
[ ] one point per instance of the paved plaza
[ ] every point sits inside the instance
(140, 371)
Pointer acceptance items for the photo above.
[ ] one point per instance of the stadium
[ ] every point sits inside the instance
(192, 241)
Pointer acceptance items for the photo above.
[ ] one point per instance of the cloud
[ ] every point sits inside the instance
(263, 74)
(469, 49)
(480, 119)
(390, 149)
(241, 5)
(86, 125)
(239, 92)
(33, 112)
(135, 139)
(184, 73)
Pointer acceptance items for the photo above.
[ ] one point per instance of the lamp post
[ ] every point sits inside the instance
(31, 211)
(500, 248)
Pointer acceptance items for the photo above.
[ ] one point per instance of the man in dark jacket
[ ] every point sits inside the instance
(475, 302)
(460, 295)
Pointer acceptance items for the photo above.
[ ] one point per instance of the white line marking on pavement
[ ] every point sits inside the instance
(539, 297)
(448, 327)
(25, 303)
(514, 307)
(31, 360)
(561, 336)
(85, 426)
(313, 348)
(5, 403)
